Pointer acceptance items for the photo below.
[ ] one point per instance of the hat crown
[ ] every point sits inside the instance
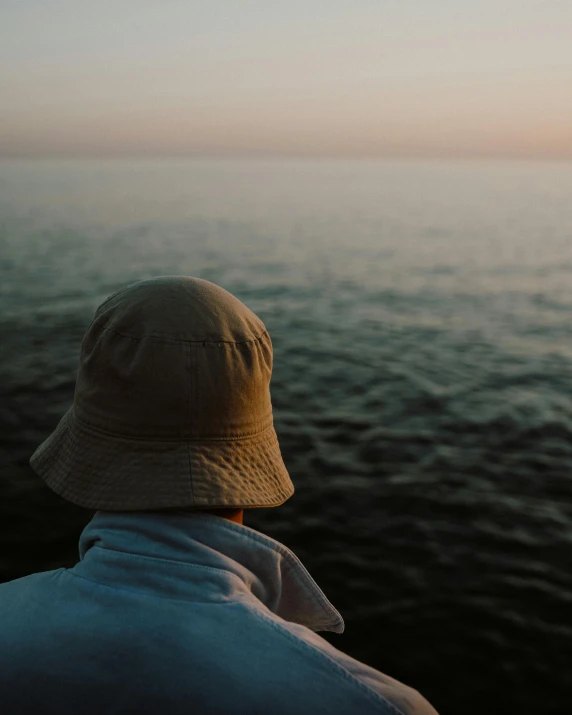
(180, 307)
(175, 358)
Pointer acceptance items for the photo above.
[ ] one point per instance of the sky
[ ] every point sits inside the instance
(347, 78)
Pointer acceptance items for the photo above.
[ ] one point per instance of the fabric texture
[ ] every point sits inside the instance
(172, 405)
(179, 613)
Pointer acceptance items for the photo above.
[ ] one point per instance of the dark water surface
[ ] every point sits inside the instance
(421, 315)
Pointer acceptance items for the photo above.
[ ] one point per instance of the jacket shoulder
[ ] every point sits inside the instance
(19, 587)
(403, 699)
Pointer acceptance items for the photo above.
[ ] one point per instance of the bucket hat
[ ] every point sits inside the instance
(172, 405)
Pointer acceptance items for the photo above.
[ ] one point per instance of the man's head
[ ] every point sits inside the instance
(172, 406)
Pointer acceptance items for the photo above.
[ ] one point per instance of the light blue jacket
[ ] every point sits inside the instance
(181, 613)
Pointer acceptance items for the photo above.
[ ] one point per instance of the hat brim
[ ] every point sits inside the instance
(105, 472)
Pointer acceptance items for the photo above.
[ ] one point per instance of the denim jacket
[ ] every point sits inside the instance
(181, 613)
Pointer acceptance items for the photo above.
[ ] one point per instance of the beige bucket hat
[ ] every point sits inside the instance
(172, 405)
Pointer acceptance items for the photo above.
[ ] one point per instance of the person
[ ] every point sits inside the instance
(175, 606)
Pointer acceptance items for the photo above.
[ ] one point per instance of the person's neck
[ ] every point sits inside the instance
(231, 513)
(235, 515)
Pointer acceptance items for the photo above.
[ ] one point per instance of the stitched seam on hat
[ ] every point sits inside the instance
(167, 339)
(179, 440)
(190, 366)
(195, 390)
(347, 675)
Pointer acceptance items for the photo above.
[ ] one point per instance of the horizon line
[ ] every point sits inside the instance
(290, 156)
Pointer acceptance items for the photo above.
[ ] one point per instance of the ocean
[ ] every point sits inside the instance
(421, 315)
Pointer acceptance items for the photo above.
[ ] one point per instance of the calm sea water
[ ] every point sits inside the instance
(421, 315)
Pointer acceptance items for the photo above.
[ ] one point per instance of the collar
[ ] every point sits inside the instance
(160, 552)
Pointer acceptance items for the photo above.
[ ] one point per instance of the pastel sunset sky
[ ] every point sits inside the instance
(352, 78)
